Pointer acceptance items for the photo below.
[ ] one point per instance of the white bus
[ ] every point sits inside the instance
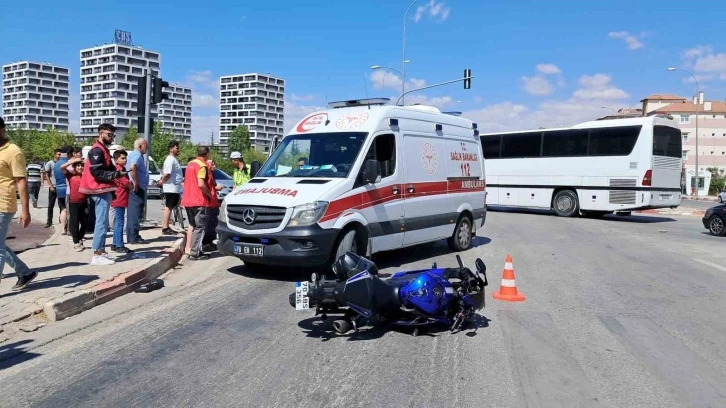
(590, 169)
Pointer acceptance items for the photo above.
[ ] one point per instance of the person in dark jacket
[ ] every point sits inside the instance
(97, 182)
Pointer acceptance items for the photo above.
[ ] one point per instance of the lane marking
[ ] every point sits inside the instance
(713, 265)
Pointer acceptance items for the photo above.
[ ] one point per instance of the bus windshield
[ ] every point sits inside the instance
(315, 155)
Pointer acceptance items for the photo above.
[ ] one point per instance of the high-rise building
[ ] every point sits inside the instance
(254, 100)
(109, 84)
(175, 113)
(35, 95)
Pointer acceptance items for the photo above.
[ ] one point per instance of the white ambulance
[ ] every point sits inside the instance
(362, 176)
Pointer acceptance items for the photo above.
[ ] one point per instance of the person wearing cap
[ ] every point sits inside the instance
(241, 173)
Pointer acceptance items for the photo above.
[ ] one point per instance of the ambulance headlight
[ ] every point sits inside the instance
(223, 212)
(307, 214)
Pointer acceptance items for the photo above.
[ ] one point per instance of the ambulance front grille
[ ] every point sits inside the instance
(254, 217)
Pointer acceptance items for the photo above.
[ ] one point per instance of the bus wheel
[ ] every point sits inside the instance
(565, 203)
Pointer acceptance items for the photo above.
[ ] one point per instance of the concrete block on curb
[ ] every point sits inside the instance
(69, 305)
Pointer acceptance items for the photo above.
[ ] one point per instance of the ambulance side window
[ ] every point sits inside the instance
(383, 149)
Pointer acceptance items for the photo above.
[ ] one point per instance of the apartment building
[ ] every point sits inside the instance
(711, 127)
(35, 95)
(109, 84)
(255, 100)
(175, 113)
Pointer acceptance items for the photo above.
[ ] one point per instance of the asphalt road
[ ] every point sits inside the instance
(621, 312)
(698, 204)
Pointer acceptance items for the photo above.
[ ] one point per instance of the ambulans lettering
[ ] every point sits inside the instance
(467, 157)
(276, 191)
(473, 184)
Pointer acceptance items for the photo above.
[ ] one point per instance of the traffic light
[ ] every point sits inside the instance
(157, 92)
(467, 78)
(141, 95)
(140, 124)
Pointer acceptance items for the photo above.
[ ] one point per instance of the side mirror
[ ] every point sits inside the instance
(254, 168)
(371, 171)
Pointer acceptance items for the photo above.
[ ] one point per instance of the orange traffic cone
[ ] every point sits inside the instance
(508, 290)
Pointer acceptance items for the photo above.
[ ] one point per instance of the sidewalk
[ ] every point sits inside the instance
(67, 284)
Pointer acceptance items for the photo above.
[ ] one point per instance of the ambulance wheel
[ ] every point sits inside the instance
(348, 243)
(462, 238)
(565, 203)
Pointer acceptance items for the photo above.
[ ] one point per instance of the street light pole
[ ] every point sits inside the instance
(698, 95)
(403, 60)
(403, 89)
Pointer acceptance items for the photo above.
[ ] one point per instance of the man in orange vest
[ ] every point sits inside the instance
(197, 199)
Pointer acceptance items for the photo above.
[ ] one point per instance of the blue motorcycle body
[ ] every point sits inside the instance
(408, 298)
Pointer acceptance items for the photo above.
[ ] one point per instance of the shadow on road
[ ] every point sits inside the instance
(643, 219)
(275, 273)
(315, 327)
(67, 281)
(12, 354)
(399, 257)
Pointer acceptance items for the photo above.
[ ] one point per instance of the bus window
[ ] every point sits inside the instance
(613, 141)
(490, 146)
(667, 141)
(565, 143)
(522, 145)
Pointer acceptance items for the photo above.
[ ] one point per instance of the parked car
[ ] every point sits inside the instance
(222, 179)
(722, 196)
(715, 220)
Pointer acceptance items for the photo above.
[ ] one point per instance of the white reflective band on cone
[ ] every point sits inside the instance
(508, 283)
(509, 266)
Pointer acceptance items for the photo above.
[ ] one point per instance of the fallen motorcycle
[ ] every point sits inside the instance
(449, 296)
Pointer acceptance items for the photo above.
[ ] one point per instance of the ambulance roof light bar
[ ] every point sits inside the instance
(359, 102)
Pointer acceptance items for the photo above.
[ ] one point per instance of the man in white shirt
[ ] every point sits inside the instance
(171, 182)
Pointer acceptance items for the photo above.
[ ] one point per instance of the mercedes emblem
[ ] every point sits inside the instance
(248, 216)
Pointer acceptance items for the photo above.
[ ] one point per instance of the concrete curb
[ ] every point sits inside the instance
(673, 212)
(82, 300)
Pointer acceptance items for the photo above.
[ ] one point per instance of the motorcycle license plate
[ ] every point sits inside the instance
(302, 301)
(249, 250)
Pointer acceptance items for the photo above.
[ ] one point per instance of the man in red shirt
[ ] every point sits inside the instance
(196, 199)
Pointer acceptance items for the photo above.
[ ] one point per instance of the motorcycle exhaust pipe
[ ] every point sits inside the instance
(341, 326)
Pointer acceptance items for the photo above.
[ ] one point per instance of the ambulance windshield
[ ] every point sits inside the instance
(328, 155)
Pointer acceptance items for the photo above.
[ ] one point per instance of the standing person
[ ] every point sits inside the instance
(196, 199)
(48, 176)
(119, 203)
(210, 230)
(171, 181)
(61, 186)
(98, 178)
(13, 181)
(241, 174)
(77, 204)
(136, 166)
(35, 179)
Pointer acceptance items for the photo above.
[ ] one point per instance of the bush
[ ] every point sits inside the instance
(718, 181)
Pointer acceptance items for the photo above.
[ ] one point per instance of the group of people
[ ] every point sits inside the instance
(87, 189)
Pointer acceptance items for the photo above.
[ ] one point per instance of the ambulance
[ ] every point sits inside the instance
(363, 176)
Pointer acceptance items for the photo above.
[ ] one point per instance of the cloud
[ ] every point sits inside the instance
(204, 101)
(306, 98)
(706, 63)
(548, 69)
(631, 40)
(201, 79)
(585, 104)
(202, 128)
(383, 79)
(438, 101)
(537, 85)
(74, 113)
(598, 87)
(435, 10)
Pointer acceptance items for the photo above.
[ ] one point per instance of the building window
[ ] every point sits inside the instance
(685, 119)
(685, 136)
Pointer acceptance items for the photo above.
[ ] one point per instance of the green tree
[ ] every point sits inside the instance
(718, 181)
(38, 143)
(239, 139)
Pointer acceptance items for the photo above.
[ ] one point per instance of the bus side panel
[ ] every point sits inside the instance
(492, 192)
(535, 197)
(508, 194)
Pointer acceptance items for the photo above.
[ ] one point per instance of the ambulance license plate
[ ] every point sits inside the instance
(249, 250)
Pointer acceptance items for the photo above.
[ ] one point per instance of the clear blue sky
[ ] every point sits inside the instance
(325, 49)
